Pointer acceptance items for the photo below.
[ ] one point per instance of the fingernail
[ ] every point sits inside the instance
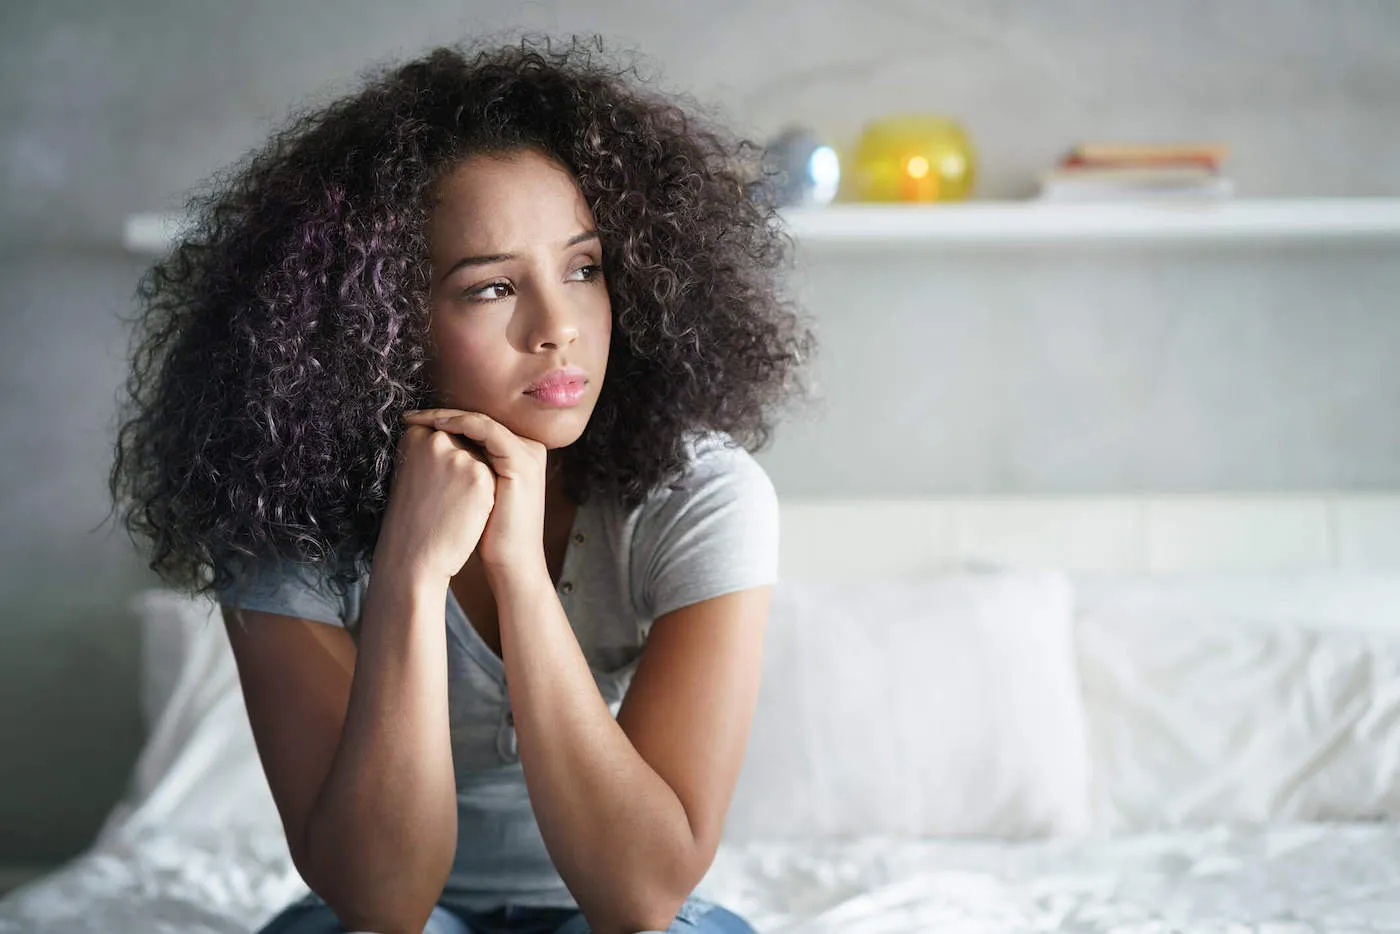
(413, 411)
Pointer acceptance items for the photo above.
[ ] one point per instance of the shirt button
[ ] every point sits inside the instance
(567, 586)
(578, 538)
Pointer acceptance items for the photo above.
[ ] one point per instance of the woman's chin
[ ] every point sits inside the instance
(555, 429)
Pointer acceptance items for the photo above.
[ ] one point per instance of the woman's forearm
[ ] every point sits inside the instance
(616, 831)
(381, 836)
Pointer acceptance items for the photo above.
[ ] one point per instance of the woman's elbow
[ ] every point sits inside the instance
(380, 897)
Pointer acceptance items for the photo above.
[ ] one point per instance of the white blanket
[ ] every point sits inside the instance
(1280, 879)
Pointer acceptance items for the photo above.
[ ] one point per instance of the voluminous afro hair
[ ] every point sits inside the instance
(285, 333)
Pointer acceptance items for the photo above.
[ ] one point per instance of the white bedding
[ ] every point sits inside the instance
(1305, 877)
(196, 846)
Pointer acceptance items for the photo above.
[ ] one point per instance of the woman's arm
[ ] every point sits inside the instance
(379, 832)
(631, 809)
(381, 835)
(355, 747)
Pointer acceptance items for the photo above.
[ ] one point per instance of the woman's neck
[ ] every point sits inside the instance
(553, 477)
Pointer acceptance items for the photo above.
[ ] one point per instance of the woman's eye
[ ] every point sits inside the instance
(495, 291)
(484, 291)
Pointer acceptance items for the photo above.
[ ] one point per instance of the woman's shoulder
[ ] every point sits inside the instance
(712, 529)
(277, 584)
(715, 460)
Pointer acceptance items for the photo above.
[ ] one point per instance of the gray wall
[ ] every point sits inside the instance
(990, 370)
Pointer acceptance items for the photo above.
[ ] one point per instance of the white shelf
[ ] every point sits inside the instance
(997, 222)
(151, 233)
(1001, 222)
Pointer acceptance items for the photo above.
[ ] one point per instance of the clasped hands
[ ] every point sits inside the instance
(513, 538)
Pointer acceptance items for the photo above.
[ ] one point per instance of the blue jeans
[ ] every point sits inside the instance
(311, 915)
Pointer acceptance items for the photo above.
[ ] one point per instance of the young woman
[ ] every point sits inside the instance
(448, 397)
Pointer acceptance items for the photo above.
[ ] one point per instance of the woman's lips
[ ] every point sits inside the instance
(560, 393)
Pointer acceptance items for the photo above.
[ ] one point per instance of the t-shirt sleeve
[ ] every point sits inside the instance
(275, 585)
(713, 532)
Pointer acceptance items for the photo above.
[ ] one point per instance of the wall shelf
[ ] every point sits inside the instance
(151, 232)
(1006, 222)
(1241, 220)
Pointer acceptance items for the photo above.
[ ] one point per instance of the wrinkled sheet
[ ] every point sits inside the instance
(1283, 879)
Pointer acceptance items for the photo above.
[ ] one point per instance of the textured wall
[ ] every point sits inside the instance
(990, 370)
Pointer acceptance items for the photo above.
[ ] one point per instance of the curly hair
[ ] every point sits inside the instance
(284, 334)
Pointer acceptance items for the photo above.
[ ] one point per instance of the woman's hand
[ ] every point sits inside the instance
(440, 498)
(513, 539)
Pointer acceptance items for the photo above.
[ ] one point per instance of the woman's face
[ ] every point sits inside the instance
(516, 293)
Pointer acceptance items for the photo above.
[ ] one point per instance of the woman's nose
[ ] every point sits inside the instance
(554, 323)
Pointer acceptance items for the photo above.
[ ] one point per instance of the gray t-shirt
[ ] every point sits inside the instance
(712, 531)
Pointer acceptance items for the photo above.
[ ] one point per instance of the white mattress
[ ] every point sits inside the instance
(1307, 877)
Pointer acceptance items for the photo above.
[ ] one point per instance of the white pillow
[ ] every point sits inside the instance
(946, 706)
(1241, 697)
(199, 769)
(1328, 598)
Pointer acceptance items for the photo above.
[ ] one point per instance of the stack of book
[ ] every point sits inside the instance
(1137, 172)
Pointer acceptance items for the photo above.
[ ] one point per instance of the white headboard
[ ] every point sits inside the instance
(852, 538)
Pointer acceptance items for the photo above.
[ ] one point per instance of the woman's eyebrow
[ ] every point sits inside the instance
(502, 257)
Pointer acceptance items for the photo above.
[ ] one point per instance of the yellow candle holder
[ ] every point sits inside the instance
(913, 157)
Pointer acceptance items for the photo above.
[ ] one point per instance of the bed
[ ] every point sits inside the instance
(1086, 714)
